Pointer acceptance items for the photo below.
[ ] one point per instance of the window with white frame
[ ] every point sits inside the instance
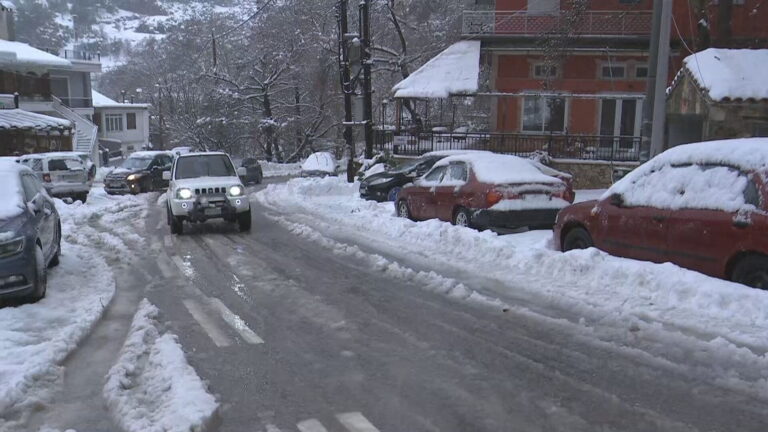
(613, 71)
(544, 71)
(114, 122)
(543, 114)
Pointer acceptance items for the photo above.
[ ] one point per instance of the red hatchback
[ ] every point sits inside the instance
(485, 190)
(701, 206)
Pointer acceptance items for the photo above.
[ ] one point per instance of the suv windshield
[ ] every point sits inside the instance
(204, 166)
(136, 163)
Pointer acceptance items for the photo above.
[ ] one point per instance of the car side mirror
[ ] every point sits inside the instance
(36, 205)
(167, 175)
(242, 171)
(616, 200)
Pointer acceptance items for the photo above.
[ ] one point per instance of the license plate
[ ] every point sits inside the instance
(212, 211)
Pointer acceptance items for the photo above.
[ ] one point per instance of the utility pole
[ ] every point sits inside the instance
(658, 64)
(365, 23)
(346, 87)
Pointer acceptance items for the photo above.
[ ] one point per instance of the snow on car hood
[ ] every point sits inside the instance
(201, 182)
(11, 202)
(321, 161)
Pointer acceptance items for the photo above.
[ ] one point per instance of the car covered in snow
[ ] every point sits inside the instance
(140, 172)
(702, 206)
(384, 186)
(486, 190)
(30, 233)
(320, 164)
(89, 165)
(64, 174)
(205, 186)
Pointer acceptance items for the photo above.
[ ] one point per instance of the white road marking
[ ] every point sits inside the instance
(217, 335)
(236, 322)
(311, 425)
(356, 422)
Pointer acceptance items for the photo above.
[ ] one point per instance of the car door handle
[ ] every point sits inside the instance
(659, 218)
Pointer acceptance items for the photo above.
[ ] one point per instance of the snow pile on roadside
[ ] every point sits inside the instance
(524, 268)
(36, 338)
(152, 388)
(272, 169)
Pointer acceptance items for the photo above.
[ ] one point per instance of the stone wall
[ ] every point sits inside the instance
(592, 174)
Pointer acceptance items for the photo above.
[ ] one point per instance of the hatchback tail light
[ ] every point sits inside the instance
(47, 178)
(493, 197)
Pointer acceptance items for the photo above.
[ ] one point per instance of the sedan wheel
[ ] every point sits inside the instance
(577, 238)
(461, 217)
(403, 211)
(752, 271)
(41, 276)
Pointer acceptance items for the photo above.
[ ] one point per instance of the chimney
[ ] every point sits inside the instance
(7, 24)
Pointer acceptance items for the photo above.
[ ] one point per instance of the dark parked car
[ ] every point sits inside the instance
(30, 234)
(486, 190)
(141, 172)
(701, 206)
(385, 186)
(254, 174)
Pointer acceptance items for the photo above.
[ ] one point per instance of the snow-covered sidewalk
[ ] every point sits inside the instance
(36, 338)
(607, 295)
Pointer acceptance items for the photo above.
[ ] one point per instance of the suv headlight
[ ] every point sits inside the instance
(236, 191)
(133, 177)
(184, 193)
(11, 247)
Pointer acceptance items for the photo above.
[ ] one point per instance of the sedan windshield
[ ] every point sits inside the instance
(137, 163)
(204, 166)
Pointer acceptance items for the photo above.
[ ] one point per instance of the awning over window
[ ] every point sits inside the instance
(454, 71)
(16, 119)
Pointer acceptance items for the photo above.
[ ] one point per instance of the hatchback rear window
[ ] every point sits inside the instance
(64, 164)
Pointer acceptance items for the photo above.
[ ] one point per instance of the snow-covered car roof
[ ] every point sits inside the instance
(501, 169)
(320, 161)
(11, 194)
(454, 152)
(700, 175)
(51, 155)
(204, 154)
(147, 154)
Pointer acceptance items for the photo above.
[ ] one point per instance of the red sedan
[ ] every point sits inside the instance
(701, 206)
(487, 190)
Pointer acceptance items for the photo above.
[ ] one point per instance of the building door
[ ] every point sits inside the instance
(620, 121)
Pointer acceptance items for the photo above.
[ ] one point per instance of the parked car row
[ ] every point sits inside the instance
(30, 233)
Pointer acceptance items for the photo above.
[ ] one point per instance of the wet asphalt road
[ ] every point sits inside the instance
(291, 337)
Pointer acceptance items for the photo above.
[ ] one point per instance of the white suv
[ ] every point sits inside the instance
(206, 186)
(63, 174)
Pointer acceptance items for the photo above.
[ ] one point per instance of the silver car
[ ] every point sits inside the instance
(63, 174)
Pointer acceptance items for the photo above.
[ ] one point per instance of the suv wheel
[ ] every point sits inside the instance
(752, 271)
(176, 223)
(244, 221)
(577, 238)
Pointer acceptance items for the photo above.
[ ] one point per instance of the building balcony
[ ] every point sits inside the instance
(75, 55)
(500, 24)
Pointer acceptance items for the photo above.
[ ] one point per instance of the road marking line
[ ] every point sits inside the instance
(216, 334)
(356, 422)
(311, 425)
(236, 322)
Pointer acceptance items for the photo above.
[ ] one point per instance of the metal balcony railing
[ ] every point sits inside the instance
(75, 54)
(522, 23)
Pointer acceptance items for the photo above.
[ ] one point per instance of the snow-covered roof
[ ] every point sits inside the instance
(18, 53)
(101, 101)
(25, 120)
(730, 74)
(495, 168)
(454, 71)
(148, 154)
(7, 4)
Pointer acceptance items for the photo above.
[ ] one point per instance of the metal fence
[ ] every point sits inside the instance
(583, 147)
(603, 23)
(75, 54)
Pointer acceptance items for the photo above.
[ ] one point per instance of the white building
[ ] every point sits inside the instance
(121, 125)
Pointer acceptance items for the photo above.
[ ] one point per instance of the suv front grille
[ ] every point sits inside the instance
(211, 191)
